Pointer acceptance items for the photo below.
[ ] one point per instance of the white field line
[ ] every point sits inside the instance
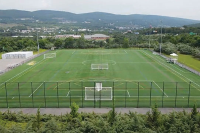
(178, 69)
(125, 51)
(173, 70)
(160, 88)
(73, 52)
(128, 93)
(36, 89)
(13, 97)
(21, 72)
(68, 94)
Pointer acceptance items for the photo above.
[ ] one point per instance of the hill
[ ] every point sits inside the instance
(94, 17)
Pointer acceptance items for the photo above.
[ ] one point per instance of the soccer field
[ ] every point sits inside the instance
(134, 78)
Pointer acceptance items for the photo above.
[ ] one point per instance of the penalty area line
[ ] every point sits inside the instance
(36, 90)
(160, 88)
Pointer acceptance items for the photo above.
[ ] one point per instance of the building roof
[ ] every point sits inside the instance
(99, 35)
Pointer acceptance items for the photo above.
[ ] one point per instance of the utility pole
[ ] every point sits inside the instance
(161, 38)
(37, 38)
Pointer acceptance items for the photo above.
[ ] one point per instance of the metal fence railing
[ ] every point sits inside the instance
(124, 94)
(180, 64)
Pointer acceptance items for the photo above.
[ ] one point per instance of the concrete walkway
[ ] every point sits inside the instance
(59, 111)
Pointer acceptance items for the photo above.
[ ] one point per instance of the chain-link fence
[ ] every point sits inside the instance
(121, 94)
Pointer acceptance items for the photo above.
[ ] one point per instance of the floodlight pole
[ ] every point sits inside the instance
(37, 39)
(161, 38)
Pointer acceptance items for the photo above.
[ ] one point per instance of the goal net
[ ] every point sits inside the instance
(99, 66)
(50, 55)
(98, 92)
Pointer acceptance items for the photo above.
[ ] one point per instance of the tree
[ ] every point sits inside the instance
(58, 43)
(69, 42)
(153, 117)
(126, 43)
(37, 122)
(112, 116)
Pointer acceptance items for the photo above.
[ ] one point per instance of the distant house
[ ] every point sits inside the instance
(99, 37)
(87, 37)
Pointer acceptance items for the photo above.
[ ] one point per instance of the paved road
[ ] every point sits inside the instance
(58, 111)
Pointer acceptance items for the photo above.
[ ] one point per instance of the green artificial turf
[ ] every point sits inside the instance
(138, 78)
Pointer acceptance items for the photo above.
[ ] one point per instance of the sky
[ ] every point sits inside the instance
(174, 8)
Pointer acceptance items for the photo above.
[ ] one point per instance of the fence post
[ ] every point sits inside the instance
(82, 92)
(150, 93)
(6, 95)
(100, 100)
(189, 95)
(32, 93)
(138, 94)
(94, 95)
(163, 93)
(70, 94)
(44, 95)
(113, 94)
(58, 97)
(176, 93)
(19, 94)
(126, 91)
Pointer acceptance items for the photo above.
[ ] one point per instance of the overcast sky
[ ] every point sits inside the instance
(175, 8)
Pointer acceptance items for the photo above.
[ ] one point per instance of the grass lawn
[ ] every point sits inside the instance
(135, 78)
(189, 61)
(40, 51)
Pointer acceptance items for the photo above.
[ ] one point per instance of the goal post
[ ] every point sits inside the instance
(50, 55)
(95, 93)
(99, 66)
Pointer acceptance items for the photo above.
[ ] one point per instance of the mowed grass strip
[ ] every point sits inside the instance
(190, 61)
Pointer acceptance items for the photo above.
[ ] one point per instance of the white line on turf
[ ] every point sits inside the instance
(160, 88)
(125, 51)
(68, 94)
(36, 89)
(21, 72)
(13, 97)
(73, 52)
(172, 69)
(128, 93)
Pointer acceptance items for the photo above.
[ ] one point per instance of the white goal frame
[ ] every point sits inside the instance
(99, 66)
(95, 93)
(50, 55)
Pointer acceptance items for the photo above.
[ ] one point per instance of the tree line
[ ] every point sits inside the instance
(183, 43)
(111, 122)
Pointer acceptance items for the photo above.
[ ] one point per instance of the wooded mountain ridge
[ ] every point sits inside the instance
(94, 17)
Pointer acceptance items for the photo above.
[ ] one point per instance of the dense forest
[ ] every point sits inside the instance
(111, 122)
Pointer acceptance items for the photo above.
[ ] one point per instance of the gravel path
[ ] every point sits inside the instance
(58, 111)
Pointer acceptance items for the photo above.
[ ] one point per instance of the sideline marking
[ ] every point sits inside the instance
(73, 52)
(36, 89)
(160, 88)
(68, 93)
(128, 93)
(125, 51)
(158, 61)
(22, 72)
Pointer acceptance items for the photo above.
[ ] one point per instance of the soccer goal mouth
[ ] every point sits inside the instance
(98, 92)
(99, 66)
